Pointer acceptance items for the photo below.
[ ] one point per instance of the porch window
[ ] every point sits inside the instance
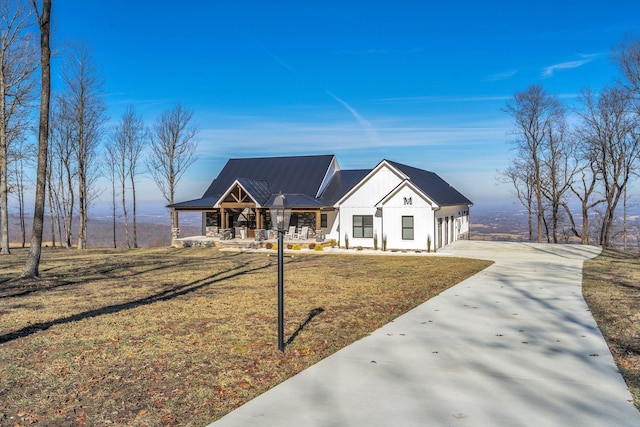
(407, 228)
(362, 226)
(323, 220)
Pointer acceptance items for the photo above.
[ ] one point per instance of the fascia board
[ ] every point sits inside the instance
(407, 183)
(367, 177)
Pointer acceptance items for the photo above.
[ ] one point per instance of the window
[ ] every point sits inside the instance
(362, 226)
(407, 228)
(323, 220)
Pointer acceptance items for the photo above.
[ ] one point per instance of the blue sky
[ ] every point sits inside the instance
(417, 82)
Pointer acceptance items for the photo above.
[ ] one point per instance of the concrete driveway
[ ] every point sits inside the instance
(514, 345)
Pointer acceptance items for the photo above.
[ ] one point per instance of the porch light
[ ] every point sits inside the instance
(280, 216)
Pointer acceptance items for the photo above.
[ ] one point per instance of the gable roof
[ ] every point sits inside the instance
(300, 178)
(341, 183)
(295, 175)
(436, 188)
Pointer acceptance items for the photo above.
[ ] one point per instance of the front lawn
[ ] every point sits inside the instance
(183, 336)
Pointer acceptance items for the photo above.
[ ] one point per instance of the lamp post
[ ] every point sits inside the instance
(280, 216)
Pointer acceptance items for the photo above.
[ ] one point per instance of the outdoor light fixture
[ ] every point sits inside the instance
(280, 216)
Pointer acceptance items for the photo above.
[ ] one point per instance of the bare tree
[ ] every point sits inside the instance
(520, 176)
(84, 94)
(627, 57)
(610, 133)
(558, 167)
(538, 118)
(173, 146)
(62, 172)
(43, 16)
(22, 156)
(112, 170)
(584, 186)
(18, 63)
(128, 142)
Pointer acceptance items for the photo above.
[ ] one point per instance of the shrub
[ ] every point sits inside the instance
(275, 247)
(333, 243)
(312, 245)
(384, 242)
(429, 243)
(318, 248)
(359, 248)
(289, 246)
(375, 241)
(295, 247)
(268, 245)
(346, 241)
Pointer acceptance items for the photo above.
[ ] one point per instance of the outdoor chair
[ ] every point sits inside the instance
(291, 234)
(303, 233)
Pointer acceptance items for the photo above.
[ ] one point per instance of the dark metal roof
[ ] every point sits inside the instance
(259, 190)
(197, 204)
(293, 175)
(299, 201)
(300, 177)
(341, 183)
(432, 185)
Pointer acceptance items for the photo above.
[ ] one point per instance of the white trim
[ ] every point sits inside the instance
(399, 187)
(373, 171)
(230, 189)
(333, 168)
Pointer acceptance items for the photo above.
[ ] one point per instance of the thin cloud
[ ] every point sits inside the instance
(279, 60)
(501, 76)
(368, 127)
(548, 71)
(440, 99)
(409, 51)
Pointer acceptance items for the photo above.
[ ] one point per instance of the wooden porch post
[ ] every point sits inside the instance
(259, 219)
(318, 220)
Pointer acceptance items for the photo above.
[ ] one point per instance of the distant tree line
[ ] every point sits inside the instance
(75, 145)
(572, 167)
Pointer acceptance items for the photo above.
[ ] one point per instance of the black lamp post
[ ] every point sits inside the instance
(280, 216)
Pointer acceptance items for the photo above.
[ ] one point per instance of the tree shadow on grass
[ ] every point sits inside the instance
(13, 287)
(165, 295)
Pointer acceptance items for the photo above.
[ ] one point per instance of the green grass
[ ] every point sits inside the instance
(183, 336)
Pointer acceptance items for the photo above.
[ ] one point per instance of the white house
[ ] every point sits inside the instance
(410, 208)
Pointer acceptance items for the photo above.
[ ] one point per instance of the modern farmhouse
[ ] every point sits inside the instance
(411, 208)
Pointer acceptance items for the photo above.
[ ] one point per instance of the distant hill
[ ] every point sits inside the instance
(100, 233)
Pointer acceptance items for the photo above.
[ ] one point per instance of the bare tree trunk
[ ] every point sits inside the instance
(135, 228)
(124, 208)
(31, 268)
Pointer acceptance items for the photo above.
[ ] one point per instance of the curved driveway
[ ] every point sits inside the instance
(514, 345)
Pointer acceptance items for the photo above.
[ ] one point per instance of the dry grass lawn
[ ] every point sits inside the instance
(183, 336)
(611, 287)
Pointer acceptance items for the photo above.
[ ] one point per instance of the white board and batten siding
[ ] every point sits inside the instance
(362, 200)
(408, 218)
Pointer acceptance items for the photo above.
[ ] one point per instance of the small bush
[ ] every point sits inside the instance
(375, 242)
(274, 247)
(289, 246)
(318, 248)
(346, 241)
(359, 248)
(268, 245)
(312, 245)
(295, 247)
(333, 243)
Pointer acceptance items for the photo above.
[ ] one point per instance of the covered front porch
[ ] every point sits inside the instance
(245, 216)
